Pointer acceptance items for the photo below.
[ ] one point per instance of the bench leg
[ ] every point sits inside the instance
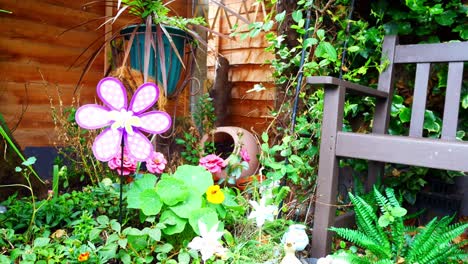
(327, 181)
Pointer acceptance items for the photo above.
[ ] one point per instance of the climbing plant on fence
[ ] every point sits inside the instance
(413, 20)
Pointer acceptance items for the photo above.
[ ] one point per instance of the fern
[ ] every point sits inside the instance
(362, 240)
(366, 219)
(432, 244)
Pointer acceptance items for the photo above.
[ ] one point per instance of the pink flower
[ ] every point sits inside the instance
(156, 163)
(129, 164)
(212, 163)
(245, 155)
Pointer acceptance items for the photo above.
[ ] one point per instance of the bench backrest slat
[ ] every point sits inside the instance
(419, 99)
(452, 100)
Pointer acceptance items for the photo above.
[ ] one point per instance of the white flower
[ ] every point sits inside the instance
(208, 242)
(332, 260)
(262, 212)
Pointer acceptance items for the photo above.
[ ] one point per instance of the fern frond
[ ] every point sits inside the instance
(392, 199)
(420, 239)
(452, 253)
(363, 240)
(381, 200)
(453, 231)
(366, 221)
(397, 231)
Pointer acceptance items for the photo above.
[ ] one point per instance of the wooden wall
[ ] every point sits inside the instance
(247, 57)
(36, 55)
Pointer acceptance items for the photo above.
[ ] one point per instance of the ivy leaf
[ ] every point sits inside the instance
(405, 114)
(430, 122)
(446, 18)
(465, 101)
(280, 17)
(30, 161)
(326, 50)
(297, 16)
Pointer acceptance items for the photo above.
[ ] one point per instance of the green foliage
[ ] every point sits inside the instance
(204, 114)
(178, 200)
(385, 241)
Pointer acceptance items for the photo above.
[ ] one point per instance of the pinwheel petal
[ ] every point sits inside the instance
(145, 97)
(155, 122)
(112, 93)
(92, 116)
(107, 144)
(138, 145)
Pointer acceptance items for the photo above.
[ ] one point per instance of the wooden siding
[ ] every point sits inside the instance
(249, 110)
(37, 50)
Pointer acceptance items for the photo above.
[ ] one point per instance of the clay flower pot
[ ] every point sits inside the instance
(230, 140)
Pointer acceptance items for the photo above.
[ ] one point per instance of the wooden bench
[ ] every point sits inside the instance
(379, 147)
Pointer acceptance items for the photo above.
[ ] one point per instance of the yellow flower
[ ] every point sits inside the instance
(214, 194)
(83, 257)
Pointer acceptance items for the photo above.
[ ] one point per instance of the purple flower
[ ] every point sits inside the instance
(245, 155)
(129, 164)
(212, 163)
(125, 121)
(156, 163)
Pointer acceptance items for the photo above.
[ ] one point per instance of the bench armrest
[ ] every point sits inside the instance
(348, 86)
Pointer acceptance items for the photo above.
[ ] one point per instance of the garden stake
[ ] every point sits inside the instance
(122, 144)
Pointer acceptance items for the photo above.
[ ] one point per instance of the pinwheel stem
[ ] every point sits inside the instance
(121, 179)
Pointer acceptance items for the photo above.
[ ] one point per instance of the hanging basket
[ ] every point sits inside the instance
(225, 139)
(174, 67)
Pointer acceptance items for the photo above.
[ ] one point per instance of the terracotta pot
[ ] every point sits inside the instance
(229, 136)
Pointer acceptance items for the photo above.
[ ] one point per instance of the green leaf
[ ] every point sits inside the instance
(297, 16)
(197, 177)
(185, 208)
(133, 194)
(183, 258)
(154, 233)
(166, 248)
(174, 224)
(354, 48)
(326, 50)
(446, 18)
(206, 215)
(41, 241)
(398, 211)
(280, 17)
(150, 203)
(102, 220)
(384, 221)
(172, 190)
(30, 161)
(465, 101)
(265, 137)
(430, 122)
(321, 34)
(405, 114)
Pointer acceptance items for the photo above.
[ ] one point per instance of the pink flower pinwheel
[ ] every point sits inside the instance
(156, 162)
(212, 163)
(126, 121)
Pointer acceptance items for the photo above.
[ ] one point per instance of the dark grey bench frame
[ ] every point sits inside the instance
(378, 147)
